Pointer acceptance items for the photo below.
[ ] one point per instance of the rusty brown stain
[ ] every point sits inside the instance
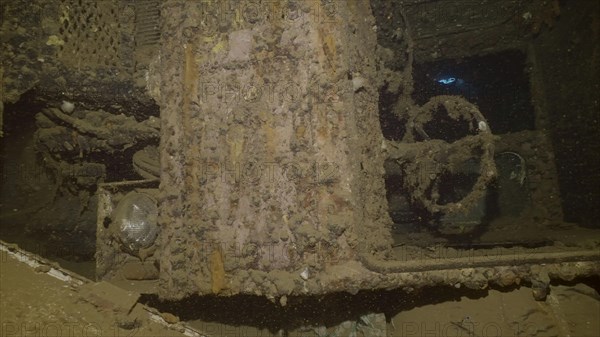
(270, 135)
(330, 51)
(340, 202)
(190, 78)
(190, 93)
(300, 130)
(323, 133)
(217, 269)
(328, 45)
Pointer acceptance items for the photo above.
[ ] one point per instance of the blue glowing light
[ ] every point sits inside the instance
(446, 80)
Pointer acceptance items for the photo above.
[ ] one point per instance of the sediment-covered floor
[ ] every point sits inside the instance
(34, 303)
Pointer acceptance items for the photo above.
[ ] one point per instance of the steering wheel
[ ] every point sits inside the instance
(425, 161)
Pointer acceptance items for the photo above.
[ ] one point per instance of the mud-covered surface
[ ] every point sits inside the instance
(33, 302)
(571, 310)
(37, 304)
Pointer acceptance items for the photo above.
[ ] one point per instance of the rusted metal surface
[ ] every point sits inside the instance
(270, 146)
(455, 29)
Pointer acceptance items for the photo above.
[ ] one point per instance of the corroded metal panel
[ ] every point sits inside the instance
(272, 159)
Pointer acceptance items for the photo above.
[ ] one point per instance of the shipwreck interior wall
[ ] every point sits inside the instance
(73, 92)
(569, 58)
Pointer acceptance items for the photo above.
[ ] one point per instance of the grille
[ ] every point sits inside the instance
(147, 27)
(91, 33)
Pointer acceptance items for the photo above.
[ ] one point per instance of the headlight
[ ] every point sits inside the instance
(136, 221)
